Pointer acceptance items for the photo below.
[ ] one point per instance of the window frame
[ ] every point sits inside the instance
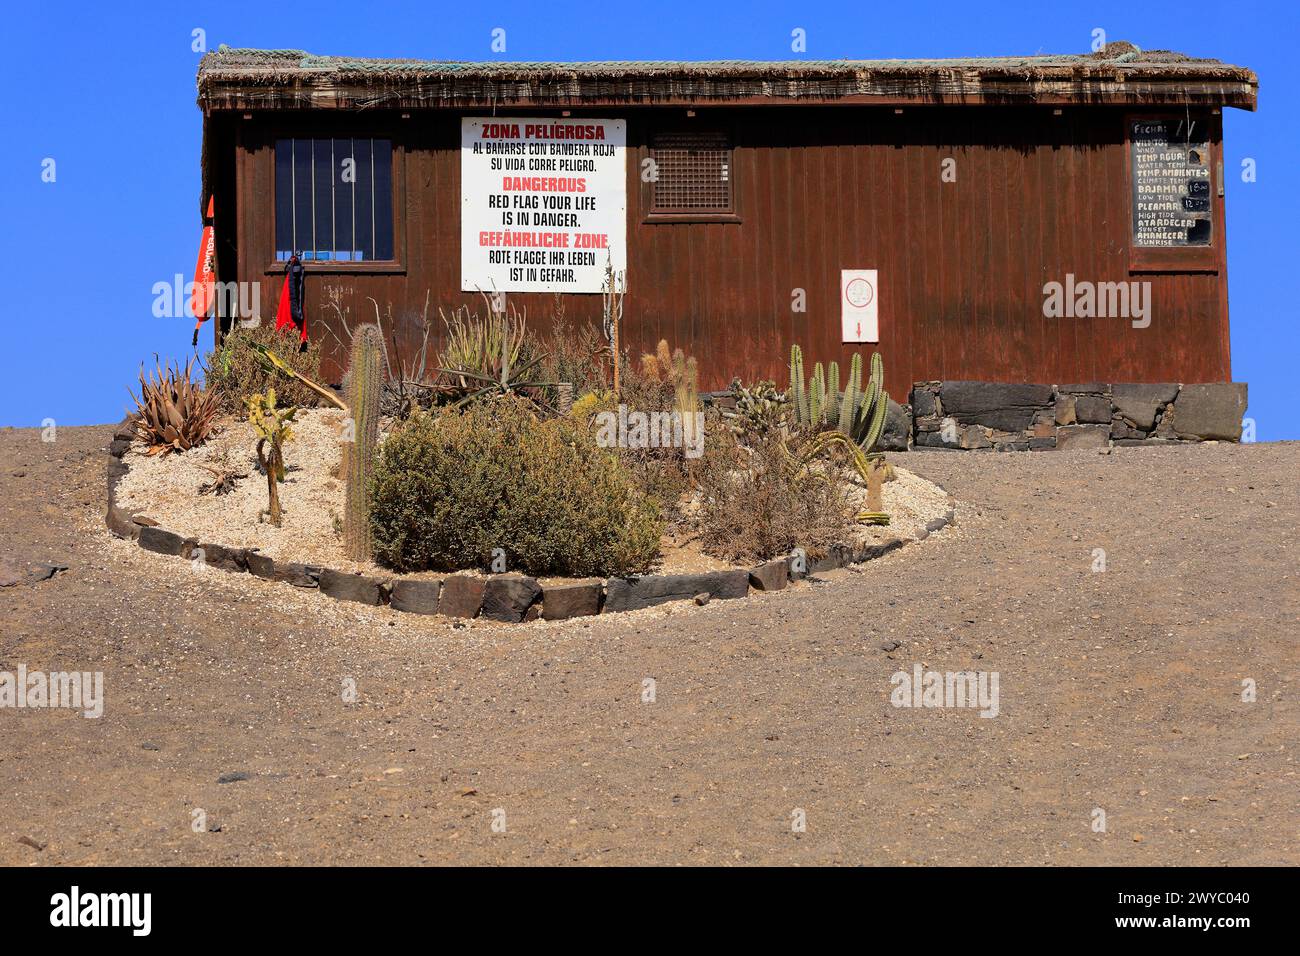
(395, 265)
(1178, 259)
(651, 215)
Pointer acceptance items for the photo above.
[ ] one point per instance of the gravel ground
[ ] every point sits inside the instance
(1119, 690)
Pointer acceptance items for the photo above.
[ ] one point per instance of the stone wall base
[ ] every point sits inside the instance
(1024, 417)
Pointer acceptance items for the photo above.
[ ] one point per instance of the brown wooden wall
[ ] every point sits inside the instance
(961, 265)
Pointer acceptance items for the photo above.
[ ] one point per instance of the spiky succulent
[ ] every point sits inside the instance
(173, 413)
(759, 408)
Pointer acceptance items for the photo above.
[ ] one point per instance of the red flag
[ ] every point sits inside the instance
(205, 272)
(284, 313)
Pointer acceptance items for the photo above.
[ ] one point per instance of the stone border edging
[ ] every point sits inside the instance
(508, 598)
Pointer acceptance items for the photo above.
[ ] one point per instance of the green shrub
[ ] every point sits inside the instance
(451, 488)
(236, 372)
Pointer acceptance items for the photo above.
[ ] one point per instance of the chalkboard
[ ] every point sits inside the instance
(1171, 182)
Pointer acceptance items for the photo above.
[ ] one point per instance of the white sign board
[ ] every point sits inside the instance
(858, 299)
(543, 203)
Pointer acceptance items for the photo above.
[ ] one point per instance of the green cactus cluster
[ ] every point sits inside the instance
(365, 387)
(857, 411)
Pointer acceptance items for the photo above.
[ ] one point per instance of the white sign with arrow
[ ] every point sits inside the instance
(858, 296)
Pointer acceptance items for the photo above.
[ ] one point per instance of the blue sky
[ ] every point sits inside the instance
(107, 91)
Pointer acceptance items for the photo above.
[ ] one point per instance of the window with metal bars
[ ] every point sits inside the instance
(334, 199)
(692, 174)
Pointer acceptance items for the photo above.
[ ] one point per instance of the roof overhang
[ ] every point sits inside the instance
(294, 80)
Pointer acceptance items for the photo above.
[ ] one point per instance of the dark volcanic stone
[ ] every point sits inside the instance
(113, 473)
(771, 576)
(119, 447)
(571, 600)
(872, 551)
(461, 596)
(260, 565)
(1082, 436)
(935, 440)
(1211, 412)
(1005, 406)
(165, 542)
(1140, 404)
(1157, 393)
(299, 575)
(1042, 444)
(508, 597)
(923, 405)
(1091, 409)
(836, 557)
(415, 596)
(628, 594)
(351, 587)
(1082, 388)
(1065, 413)
(898, 428)
(1121, 429)
(120, 523)
(125, 429)
(286, 572)
(222, 558)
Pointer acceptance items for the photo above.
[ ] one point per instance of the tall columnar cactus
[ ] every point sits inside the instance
(817, 396)
(831, 408)
(857, 412)
(366, 382)
(852, 393)
(798, 394)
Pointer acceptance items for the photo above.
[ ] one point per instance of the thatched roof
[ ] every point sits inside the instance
(1119, 74)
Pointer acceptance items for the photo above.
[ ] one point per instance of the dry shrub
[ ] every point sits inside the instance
(450, 488)
(576, 355)
(662, 473)
(237, 373)
(763, 508)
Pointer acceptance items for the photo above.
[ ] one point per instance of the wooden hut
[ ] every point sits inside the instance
(923, 208)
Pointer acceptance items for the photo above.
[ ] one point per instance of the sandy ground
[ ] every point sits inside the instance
(166, 489)
(1119, 691)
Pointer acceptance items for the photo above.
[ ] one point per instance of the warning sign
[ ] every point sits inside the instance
(543, 203)
(858, 295)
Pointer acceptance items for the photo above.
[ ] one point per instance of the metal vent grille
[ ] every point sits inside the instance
(694, 171)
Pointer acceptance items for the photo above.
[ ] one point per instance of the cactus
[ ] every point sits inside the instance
(366, 382)
(798, 396)
(759, 408)
(852, 393)
(857, 412)
(871, 418)
(273, 432)
(831, 412)
(817, 396)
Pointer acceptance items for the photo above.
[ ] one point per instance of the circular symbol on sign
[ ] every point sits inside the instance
(859, 293)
